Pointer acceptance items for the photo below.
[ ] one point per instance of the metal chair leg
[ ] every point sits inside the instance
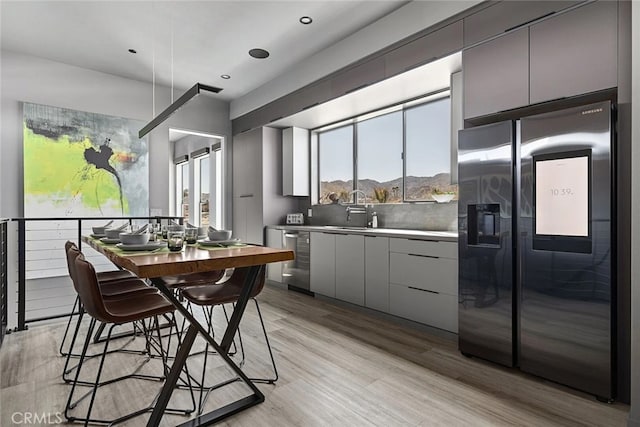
(66, 331)
(266, 338)
(79, 368)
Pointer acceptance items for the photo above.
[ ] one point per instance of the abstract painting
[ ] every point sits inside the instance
(80, 164)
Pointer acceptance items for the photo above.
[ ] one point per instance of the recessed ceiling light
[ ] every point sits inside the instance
(226, 76)
(259, 53)
(306, 20)
(133, 51)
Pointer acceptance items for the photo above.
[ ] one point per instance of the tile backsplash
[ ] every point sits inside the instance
(413, 216)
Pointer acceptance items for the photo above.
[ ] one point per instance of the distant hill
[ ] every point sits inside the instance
(417, 188)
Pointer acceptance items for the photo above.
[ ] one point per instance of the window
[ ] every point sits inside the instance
(379, 152)
(428, 150)
(401, 154)
(216, 221)
(335, 153)
(182, 189)
(202, 177)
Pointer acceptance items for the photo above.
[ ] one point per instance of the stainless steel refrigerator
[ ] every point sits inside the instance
(536, 245)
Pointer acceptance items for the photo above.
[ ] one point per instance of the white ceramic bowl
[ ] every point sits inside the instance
(134, 239)
(99, 230)
(175, 227)
(113, 233)
(443, 198)
(219, 235)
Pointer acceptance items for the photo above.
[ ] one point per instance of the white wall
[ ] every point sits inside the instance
(27, 78)
(634, 415)
(408, 20)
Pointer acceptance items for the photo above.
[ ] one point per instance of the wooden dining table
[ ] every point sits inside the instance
(196, 259)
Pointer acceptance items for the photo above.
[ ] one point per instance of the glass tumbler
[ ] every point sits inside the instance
(191, 235)
(152, 232)
(175, 240)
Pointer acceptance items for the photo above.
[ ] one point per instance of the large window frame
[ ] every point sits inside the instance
(194, 178)
(180, 165)
(199, 157)
(353, 122)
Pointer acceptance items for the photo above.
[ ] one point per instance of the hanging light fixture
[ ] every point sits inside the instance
(175, 106)
(178, 103)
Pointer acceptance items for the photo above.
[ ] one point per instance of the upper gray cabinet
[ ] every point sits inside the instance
(572, 53)
(295, 162)
(311, 95)
(357, 77)
(505, 15)
(575, 52)
(424, 49)
(496, 74)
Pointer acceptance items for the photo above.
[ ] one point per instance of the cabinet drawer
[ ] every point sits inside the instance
(438, 310)
(424, 247)
(430, 274)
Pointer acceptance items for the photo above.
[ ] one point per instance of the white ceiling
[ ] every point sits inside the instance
(209, 38)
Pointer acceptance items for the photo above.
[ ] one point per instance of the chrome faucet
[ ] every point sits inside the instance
(355, 210)
(363, 195)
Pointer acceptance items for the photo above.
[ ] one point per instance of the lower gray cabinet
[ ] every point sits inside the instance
(376, 273)
(409, 278)
(273, 239)
(349, 255)
(423, 282)
(323, 264)
(431, 308)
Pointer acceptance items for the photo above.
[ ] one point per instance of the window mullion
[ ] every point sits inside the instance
(404, 153)
(355, 162)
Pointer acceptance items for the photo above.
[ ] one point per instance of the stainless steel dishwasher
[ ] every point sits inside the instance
(295, 273)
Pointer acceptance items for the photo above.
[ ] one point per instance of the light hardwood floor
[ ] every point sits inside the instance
(338, 366)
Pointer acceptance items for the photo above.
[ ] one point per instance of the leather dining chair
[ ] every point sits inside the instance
(219, 294)
(104, 278)
(113, 284)
(134, 307)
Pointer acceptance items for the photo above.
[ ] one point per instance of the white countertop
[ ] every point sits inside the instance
(448, 236)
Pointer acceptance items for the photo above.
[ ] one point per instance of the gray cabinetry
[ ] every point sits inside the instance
(423, 282)
(273, 239)
(496, 74)
(357, 77)
(349, 253)
(295, 162)
(575, 52)
(323, 264)
(424, 49)
(376, 262)
(257, 183)
(505, 15)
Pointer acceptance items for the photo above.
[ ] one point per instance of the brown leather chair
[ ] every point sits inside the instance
(191, 279)
(106, 279)
(113, 284)
(136, 307)
(228, 292)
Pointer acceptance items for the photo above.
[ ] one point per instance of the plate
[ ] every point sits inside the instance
(98, 236)
(109, 241)
(207, 242)
(145, 247)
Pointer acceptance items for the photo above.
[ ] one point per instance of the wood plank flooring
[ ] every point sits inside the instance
(338, 367)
